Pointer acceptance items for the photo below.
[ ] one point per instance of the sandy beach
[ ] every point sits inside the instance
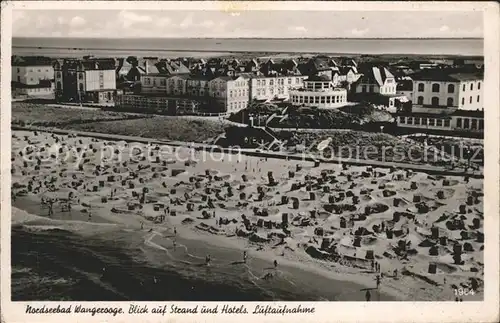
(325, 225)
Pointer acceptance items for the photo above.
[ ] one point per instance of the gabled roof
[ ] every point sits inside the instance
(377, 74)
(166, 67)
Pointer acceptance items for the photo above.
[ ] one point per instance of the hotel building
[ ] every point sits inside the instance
(88, 80)
(319, 91)
(32, 76)
(268, 88)
(438, 91)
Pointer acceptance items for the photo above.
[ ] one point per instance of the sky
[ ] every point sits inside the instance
(228, 24)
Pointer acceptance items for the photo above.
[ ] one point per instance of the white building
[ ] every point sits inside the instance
(231, 93)
(32, 70)
(458, 121)
(267, 88)
(319, 91)
(438, 91)
(377, 80)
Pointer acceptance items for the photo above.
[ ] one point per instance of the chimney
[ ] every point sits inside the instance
(146, 66)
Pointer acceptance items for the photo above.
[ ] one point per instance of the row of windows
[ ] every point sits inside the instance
(271, 91)
(436, 88)
(435, 101)
(31, 70)
(451, 87)
(473, 124)
(237, 105)
(472, 86)
(425, 121)
(317, 99)
(238, 93)
(262, 82)
(449, 101)
(39, 90)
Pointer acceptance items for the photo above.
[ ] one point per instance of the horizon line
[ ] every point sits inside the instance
(267, 38)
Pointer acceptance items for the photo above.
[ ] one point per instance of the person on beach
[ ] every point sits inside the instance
(244, 256)
(207, 260)
(275, 264)
(175, 231)
(373, 265)
(174, 243)
(395, 273)
(142, 225)
(368, 296)
(377, 278)
(51, 204)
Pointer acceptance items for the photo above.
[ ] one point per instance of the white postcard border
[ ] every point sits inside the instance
(486, 311)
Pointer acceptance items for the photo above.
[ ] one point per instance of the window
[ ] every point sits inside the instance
(478, 98)
(451, 88)
(432, 122)
(472, 86)
(474, 124)
(435, 101)
(289, 81)
(271, 82)
(80, 86)
(424, 121)
(402, 119)
(420, 100)
(463, 101)
(470, 99)
(372, 88)
(328, 99)
(59, 85)
(109, 95)
(466, 123)
(322, 99)
(39, 70)
(80, 76)
(447, 123)
(449, 102)
(439, 122)
(410, 120)
(463, 87)
(258, 82)
(417, 121)
(363, 88)
(435, 87)
(459, 122)
(421, 87)
(18, 70)
(316, 99)
(479, 85)
(481, 124)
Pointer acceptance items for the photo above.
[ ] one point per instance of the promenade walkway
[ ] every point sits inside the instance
(430, 169)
